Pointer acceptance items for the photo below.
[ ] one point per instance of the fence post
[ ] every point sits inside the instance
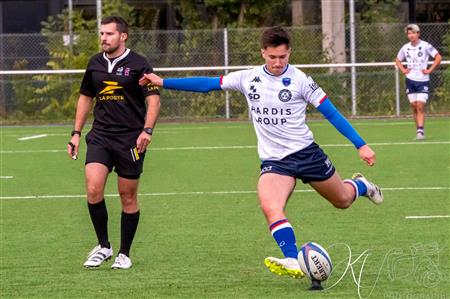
(3, 66)
(397, 92)
(353, 55)
(225, 57)
(98, 4)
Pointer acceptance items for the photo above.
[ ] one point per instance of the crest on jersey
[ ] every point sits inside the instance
(286, 81)
(285, 95)
(419, 54)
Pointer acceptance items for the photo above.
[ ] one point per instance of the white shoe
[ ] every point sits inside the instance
(122, 262)
(420, 136)
(287, 266)
(373, 191)
(97, 256)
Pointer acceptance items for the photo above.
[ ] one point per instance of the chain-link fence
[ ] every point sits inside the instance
(53, 97)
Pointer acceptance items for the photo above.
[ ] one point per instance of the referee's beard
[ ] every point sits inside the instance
(108, 49)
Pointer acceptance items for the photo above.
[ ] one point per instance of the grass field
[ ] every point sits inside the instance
(202, 234)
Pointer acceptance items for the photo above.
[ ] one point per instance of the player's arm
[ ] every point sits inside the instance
(333, 115)
(194, 84)
(84, 106)
(399, 64)
(153, 107)
(436, 63)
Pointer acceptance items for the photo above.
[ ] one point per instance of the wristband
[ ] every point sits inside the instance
(148, 130)
(75, 132)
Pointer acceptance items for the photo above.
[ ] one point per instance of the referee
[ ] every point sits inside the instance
(125, 115)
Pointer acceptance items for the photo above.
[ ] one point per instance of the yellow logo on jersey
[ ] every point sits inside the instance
(111, 86)
(108, 92)
(152, 87)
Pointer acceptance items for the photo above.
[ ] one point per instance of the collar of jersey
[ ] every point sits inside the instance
(418, 44)
(112, 64)
(269, 73)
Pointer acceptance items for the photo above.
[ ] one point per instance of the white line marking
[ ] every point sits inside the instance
(236, 125)
(6, 177)
(200, 193)
(184, 148)
(31, 151)
(389, 143)
(415, 188)
(32, 137)
(427, 217)
(409, 143)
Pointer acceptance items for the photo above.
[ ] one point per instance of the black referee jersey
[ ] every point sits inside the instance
(120, 102)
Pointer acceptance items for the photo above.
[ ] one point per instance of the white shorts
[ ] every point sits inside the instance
(418, 97)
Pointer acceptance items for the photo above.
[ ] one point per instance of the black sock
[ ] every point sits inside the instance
(129, 223)
(99, 217)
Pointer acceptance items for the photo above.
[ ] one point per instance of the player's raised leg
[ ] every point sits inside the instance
(373, 192)
(343, 193)
(96, 175)
(273, 192)
(129, 222)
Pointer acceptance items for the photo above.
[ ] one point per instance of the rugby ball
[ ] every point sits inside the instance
(315, 261)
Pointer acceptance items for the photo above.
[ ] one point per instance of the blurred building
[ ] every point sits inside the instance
(308, 12)
(25, 16)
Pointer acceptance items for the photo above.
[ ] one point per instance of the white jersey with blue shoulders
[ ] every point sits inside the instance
(417, 59)
(278, 107)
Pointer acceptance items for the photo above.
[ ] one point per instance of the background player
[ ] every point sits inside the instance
(417, 53)
(124, 117)
(277, 95)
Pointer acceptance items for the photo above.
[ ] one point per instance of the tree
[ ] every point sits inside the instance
(55, 96)
(378, 11)
(442, 92)
(216, 14)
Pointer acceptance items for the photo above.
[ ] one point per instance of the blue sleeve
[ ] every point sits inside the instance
(340, 123)
(195, 84)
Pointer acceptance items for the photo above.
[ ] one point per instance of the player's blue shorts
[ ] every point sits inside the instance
(310, 164)
(417, 86)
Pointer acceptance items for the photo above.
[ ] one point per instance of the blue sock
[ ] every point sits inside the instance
(362, 189)
(283, 234)
(359, 186)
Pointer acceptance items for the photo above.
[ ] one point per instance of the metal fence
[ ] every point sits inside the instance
(49, 97)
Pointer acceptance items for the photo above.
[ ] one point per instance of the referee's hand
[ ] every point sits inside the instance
(72, 146)
(143, 141)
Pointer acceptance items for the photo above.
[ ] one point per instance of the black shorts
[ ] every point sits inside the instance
(116, 151)
(310, 164)
(417, 86)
